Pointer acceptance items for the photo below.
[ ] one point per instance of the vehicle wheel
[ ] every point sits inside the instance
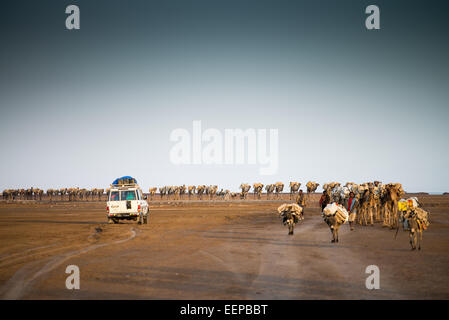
(110, 221)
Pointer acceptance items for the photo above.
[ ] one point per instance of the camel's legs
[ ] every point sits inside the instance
(420, 239)
(413, 239)
(370, 216)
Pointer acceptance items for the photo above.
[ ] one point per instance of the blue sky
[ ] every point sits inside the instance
(79, 108)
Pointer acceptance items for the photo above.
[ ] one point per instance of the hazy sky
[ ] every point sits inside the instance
(82, 107)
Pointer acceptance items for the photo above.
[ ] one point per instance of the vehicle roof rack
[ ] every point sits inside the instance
(125, 185)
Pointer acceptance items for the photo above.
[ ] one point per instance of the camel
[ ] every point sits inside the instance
(373, 201)
(15, 194)
(221, 193)
(100, 192)
(291, 214)
(394, 192)
(378, 186)
(5, 194)
(170, 191)
(38, 193)
(245, 189)
(211, 191)
(363, 215)
(334, 226)
(83, 194)
(335, 215)
(312, 186)
(360, 195)
(257, 189)
(62, 192)
(270, 189)
(28, 194)
(50, 193)
(73, 193)
(182, 190)
(337, 194)
(93, 192)
(191, 190)
(175, 190)
(31, 193)
(152, 192)
(327, 187)
(418, 221)
(11, 194)
(294, 187)
(162, 191)
(200, 190)
(279, 186)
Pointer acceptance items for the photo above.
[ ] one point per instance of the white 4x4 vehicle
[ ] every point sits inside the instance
(127, 202)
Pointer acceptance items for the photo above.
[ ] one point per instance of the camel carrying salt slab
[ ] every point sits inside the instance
(290, 207)
(339, 211)
(330, 209)
(342, 215)
(423, 216)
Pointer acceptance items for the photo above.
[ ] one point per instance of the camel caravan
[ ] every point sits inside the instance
(63, 194)
(363, 204)
(182, 192)
(375, 202)
(367, 203)
(204, 192)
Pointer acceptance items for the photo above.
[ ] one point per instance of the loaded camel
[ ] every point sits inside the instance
(152, 192)
(418, 221)
(394, 192)
(291, 214)
(294, 187)
(257, 189)
(279, 186)
(191, 191)
(245, 189)
(269, 188)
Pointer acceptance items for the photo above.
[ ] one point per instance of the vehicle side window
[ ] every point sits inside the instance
(128, 195)
(114, 196)
(138, 195)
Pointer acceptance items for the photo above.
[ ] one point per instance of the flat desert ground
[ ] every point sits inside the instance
(213, 250)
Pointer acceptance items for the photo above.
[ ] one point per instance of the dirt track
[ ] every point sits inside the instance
(223, 250)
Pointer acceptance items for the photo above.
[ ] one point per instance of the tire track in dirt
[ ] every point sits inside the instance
(20, 258)
(24, 278)
(8, 256)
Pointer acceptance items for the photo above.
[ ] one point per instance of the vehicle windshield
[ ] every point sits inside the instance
(128, 195)
(114, 196)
